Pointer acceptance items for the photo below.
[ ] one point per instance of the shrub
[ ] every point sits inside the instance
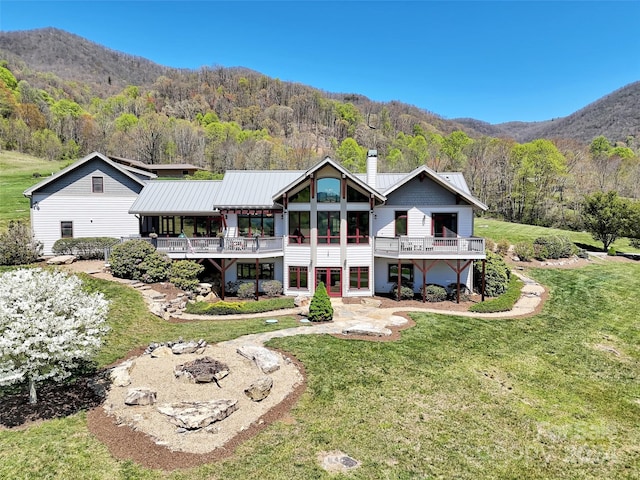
(85, 248)
(502, 248)
(406, 292)
(490, 244)
(452, 288)
(612, 252)
(247, 290)
(184, 274)
(272, 288)
(18, 246)
(228, 308)
(553, 246)
(496, 275)
(320, 309)
(435, 293)
(524, 251)
(231, 288)
(504, 302)
(139, 260)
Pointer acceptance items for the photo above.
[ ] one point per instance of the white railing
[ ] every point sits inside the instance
(425, 246)
(231, 245)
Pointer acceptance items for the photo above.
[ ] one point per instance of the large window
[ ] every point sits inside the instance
(247, 271)
(328, 190)
(303, 196)
(401, 223)
(407, 273)
(66, 229)
(358, 227)
(298, 278)
(445, 224)
(328, 227)
(256, 225)
(354, 195)
(299, 227)
(359, 278)
(97, 184)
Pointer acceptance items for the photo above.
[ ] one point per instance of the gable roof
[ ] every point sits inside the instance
(130, 172)
(328, 161)
(189, 197)
(459, 187)
(148, 167)
(253, 188)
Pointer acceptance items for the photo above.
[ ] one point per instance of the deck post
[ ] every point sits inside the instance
(484, 263)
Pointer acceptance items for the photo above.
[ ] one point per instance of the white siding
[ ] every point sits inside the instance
(440, 274)
(328, 257)
(92, 216)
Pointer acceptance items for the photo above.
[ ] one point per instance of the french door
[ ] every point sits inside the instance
(332, 278)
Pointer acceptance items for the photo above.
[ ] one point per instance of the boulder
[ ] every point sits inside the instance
(185, 347)
(195, 415)
(161, 352)
(371, 302)
(259, 389)
(264, 358)
(367, 329)
(120, 375)
(140, 396)
(301, 301)
(62, 260)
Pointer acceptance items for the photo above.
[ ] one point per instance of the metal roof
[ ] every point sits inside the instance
(161, 197)
(253, 188)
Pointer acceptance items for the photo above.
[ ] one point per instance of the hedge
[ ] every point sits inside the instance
(85, 248)
(230, 308)
(504, 302)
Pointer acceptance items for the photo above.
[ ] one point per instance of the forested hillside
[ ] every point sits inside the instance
(62, 96)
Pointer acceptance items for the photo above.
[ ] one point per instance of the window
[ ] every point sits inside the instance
(298, 277)
(303, 196)
(247, 271)
(66, 229)
(97, 184)
(407, 273)
(328, 227)
(328, 190)
(354, 195)
(445, 224)
(299, 227)
(255, 225)
(401, 223)
(359, 278)
(358, 227)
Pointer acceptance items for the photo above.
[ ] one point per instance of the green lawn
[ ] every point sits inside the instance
(497, 230)
(552, 396)
(16, 175)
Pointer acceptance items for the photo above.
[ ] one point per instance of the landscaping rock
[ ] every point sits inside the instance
(301, 301)
(371, 302)
(62, 260)
(195, 415)
(202, 370)
(367, 329)
(265, 359)
(140, 396)
(161, 352)
(120, 375)
(185, 347)
(259, 389)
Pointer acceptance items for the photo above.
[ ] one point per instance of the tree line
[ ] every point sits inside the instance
(222, 119)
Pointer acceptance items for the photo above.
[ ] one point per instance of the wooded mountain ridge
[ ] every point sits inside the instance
(73, 58)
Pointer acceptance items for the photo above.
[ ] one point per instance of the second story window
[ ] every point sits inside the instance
(299, 227)
(329, 227)
(97, 184)
(255, 226)
(358, 227)
(401, 223)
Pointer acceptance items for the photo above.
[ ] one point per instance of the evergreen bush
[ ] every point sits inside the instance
(247, 290)
(272, 288)
(435, 293)
(86, 248)
(497, 275)
(184, 274)
(406, 292)
(18, 246)
(320, 309)
(524, 251)
(138, 260)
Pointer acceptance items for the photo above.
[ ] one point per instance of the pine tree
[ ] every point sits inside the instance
(320, 309)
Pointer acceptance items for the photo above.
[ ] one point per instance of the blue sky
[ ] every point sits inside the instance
(493, 61)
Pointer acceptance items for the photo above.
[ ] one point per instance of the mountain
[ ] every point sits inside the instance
(73, 58)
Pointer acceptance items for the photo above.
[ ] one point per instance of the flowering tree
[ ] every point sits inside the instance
(48, 324)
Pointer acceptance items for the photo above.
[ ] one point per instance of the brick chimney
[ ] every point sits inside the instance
(372, 168)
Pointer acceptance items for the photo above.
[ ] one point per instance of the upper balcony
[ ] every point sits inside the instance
(406, 247)
(219, 247)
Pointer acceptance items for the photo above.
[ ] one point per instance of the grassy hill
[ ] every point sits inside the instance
(18, 172)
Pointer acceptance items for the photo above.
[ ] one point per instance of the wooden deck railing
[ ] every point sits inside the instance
(429, 246)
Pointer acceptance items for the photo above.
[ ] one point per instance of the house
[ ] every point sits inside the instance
(90, 198)
(178, 170)
(353, 232)
(357, 233)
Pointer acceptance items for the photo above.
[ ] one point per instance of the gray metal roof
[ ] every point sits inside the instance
(384, 181)
(457, 179)
(161, 197)
(253, 188)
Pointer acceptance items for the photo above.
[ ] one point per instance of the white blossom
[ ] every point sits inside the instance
(48, 324)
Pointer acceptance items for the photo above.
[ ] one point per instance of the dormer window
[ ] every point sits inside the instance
(328, 190)
(97, 184)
